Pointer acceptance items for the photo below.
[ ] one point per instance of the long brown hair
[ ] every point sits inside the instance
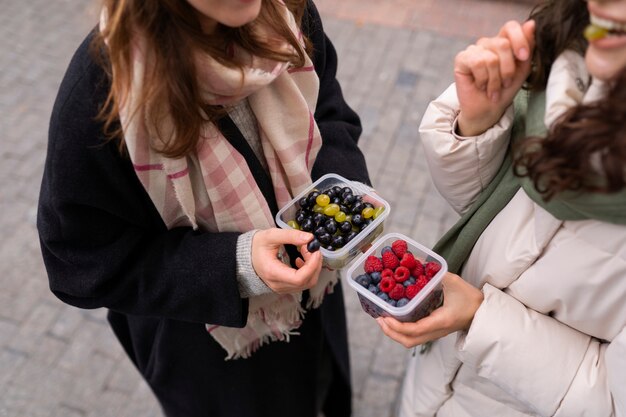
(173, 32)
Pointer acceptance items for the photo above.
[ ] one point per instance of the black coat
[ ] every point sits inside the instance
(105, 245)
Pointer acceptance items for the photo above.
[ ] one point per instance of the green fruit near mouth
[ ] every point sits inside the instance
(593, 32)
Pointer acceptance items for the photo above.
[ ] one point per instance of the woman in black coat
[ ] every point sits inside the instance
(107, 242)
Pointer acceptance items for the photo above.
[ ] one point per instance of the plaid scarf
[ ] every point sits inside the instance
(213, 189)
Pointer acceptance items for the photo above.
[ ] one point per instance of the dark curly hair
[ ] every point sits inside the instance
(585, 150)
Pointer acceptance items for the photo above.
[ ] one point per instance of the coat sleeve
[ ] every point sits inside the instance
(103, 243)
(339, 125)
(461, 166)
(553, 368)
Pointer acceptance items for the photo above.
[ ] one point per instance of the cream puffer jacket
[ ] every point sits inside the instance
(549, 338)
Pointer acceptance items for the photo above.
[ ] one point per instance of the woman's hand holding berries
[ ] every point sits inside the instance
(460, 303)
(279, 277)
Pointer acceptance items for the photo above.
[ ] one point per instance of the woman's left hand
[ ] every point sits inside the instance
(460, 302)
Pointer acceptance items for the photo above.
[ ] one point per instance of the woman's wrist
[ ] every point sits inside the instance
(474, 126)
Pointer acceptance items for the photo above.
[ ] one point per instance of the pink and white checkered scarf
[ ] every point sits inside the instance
(214, 190)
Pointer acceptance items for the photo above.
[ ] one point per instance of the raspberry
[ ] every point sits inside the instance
(411, 291)
(399, 247)
(408, 260)
(421, 282)
(397, 292)
(402, 274)
(373, 264)
(387, 273)
(387, 284)
(432, 268)
(418, 269)
(390, 260)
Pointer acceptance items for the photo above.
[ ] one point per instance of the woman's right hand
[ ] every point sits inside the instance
(489, 73)
(279, 277)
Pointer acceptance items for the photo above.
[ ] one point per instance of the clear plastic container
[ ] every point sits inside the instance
(421, 305)
(339, 258)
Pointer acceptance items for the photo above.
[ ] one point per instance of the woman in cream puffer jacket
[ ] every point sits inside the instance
(549, 337)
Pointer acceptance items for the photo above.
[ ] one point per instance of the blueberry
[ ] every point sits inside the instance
(383, 296)
(373, 289)
(363, 280)
(313, 245)
(345, 227)
(376, 277)
(300, 216)
(331, 226)
(311, 198)
(393, 303)
(324, 238)
(318, 219)
(402, 302)
(357, 208)
(304, 202)
(348, 199)
(319, 231)
(337, 241)
(329, 192)
(385, 250)
(307, 225)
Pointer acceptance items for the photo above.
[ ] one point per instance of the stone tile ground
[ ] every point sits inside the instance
(58, 361)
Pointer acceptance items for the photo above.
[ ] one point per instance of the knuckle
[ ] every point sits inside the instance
(511, 24)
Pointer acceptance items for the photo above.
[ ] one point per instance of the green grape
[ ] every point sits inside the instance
(377, 211)
(293, 224)
(322, 200)
(593, 32)
(318, 209)
(331, 209)
(340, 217)
(367, 212)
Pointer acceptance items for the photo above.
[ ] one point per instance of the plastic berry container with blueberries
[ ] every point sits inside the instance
(398, 277)
(343, 216)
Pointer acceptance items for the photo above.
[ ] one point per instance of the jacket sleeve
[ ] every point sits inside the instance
(103, 243)
(513, 347)
(461, 166)
(339, 125)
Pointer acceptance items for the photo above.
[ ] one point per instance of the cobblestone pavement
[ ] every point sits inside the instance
(58, 361)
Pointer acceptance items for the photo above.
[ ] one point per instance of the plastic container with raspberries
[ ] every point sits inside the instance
(398, 277)
(343, 216)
